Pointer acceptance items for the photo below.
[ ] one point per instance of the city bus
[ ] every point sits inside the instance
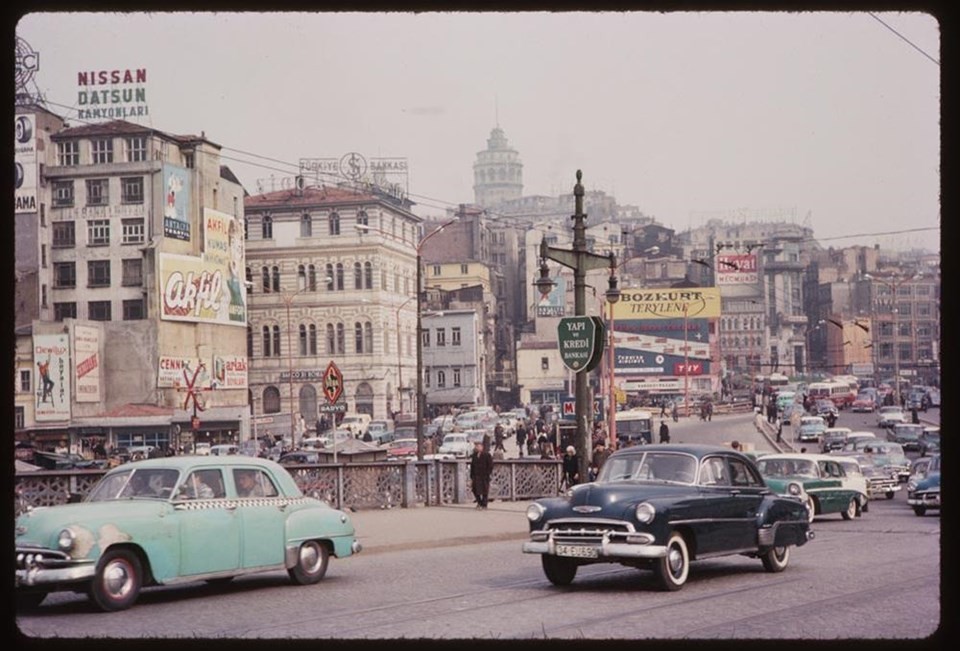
(839, 392)
(634, 427)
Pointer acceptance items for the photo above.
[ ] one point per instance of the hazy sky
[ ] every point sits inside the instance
(685, 115)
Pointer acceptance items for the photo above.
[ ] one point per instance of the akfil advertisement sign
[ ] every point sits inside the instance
(86, 354)
(192, 289)
(112, 94)
(223, 249)
(52, 357)
(25, 163)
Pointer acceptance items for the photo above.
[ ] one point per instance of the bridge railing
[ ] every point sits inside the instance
(356, 485)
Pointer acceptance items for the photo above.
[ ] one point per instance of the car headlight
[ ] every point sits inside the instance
(646, 512)
(794, 489)
(65, 540)
(535, 512)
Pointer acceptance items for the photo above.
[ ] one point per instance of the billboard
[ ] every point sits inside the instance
(178, 372)
(193, 289)
(660, 347)
(229, 372)
(51, 353)
(554, 303)
(25, 163)
(738, 269)
(673, 303)
(86, 357)
(176, 202)
(223, 249)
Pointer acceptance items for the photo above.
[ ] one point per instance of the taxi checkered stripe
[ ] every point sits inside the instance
(223, 503)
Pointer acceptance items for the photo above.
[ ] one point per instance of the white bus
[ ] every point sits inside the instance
(634, 426)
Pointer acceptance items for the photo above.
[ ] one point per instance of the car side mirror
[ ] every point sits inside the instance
(74, 498)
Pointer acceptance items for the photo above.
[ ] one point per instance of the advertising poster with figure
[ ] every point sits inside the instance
(223, 248)
(51, 354)
(553, 304)
(176, 203)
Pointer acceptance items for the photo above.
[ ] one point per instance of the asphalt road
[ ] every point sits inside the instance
(875, 577)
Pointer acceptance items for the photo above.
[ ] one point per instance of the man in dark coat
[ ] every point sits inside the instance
(664, 432)
(481, 469)
(571, 467)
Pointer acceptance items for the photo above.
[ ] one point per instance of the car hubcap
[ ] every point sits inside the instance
(675, 559)
(780, 552)
(117, 581)
(310, 558)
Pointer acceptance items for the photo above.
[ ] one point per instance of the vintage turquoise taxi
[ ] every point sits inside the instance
(177, 520)
(817, 479)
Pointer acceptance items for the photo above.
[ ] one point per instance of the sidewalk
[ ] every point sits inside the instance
(424, 527)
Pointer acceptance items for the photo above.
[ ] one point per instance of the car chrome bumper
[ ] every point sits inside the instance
(608, 544)
(604, 549)
(35, 567)
(931, 500)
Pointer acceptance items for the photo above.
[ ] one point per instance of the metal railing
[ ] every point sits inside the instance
(354, 485)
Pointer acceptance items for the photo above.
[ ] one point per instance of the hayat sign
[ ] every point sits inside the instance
(740, 269)
(112, 94)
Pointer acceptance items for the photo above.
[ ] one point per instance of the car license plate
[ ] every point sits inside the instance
(577, 551)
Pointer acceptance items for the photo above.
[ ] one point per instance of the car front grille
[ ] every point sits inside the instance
(27, 557)
(586, 531)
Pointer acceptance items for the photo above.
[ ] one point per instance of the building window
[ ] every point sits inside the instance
(131, 189)
(301, 277)
(25, 381)
(329, 277)
(19, 419)
(64, 275)
(249, 341)
(271, 400)
(98, 192)
(63, 311)
(456, 377)
(98, 273)
(98, 310)
(306, 226)
(312, 277)
(246, 228)
(331, 340)
(136, 149)
(102, 150)
(454, 336)
(436, 270)
(64, 235)
(368, 337)
(357, 275)
(266, 227)
(68, 153)
(441, 336)
(302, 340)
(98, 232)
(339, 277)
(266, 341)
(341, 339)
(188, 160)
(276, 341)
(362, 218)
(312, 339)
(132, 272)
(545, 363)
(425, 337)
(426, 378)
(62, 194)
(132, 231)
(43, 256)
(43, 295)
(464, 269)
(134, 310)
(276, 278)
(333, 222)
(441, 379)
(358, 337)
(368, 275)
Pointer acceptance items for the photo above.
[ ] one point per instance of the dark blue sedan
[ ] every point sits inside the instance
(661, 506)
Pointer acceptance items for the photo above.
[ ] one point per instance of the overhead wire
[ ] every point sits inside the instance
(905, 39)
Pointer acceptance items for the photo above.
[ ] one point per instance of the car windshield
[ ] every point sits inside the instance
(156, 483)
(908, 432)
(665, 467)
(787, 468)
(851, 468)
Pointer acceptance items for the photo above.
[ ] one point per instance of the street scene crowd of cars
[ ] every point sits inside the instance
(154, 521)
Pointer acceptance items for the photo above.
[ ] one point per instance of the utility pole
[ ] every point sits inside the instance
(580, 260)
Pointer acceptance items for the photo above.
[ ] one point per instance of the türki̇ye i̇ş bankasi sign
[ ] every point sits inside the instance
(581, 342)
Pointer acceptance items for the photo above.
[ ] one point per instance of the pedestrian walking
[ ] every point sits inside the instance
(481, 469)
(571, 467)
(676, 413)
(709, 411)
(498, 438)
(664, 432)
(521, 437)
(531, 442)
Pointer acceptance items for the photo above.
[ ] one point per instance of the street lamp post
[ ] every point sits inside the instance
(287, 299)
(580, 260)
(420, 397)
(686, 364)
(894, 285)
